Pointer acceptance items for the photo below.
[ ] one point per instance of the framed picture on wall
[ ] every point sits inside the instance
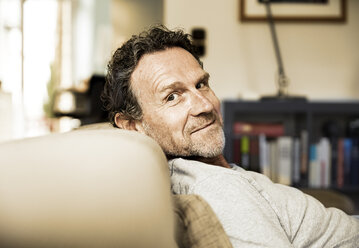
(294, 10)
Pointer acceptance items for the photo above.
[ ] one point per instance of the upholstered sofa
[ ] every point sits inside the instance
(97, 188)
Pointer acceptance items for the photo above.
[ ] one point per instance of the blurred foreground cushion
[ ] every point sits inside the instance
(87, 188)
(197, 226)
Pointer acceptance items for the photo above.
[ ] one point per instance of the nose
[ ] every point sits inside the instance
(200, 104)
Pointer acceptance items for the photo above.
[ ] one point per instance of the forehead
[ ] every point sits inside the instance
(165, 67)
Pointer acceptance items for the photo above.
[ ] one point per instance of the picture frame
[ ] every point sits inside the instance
(295, 11)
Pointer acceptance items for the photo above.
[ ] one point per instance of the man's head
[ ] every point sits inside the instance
(156, 85)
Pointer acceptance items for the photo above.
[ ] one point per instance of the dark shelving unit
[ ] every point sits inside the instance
(295, 116)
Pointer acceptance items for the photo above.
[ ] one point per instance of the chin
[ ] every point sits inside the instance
(209, 148)
(206, 146)
(205, 150)
(210, 152)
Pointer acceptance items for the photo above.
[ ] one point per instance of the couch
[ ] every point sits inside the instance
(97, 188)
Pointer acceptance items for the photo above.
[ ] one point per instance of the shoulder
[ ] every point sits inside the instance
(237, 185)
(198, 176)
(234, 194)
(194, 172)
(183, 166)
(189, 174)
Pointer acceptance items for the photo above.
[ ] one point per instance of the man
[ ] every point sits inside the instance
(156, 85)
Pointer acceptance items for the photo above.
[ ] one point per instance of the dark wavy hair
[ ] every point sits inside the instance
(118, 96)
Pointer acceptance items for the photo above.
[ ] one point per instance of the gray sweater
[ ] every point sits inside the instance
(255, 212)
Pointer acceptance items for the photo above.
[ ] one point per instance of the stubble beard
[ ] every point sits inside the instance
(208, 145)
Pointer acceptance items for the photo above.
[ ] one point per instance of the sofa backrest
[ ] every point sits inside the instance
(86, 188)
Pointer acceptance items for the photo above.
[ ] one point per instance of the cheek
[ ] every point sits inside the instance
(216, 103)
(172, 120)
(217, 106)
(175, 119)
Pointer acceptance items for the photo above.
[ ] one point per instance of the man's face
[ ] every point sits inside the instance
(180, 111)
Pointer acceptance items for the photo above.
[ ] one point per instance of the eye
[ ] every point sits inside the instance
(200, 85)
(172, 97)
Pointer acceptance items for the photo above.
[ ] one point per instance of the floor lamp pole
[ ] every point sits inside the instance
(283, 80)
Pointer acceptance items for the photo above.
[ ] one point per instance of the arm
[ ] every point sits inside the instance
(245, 215)
(306, 221)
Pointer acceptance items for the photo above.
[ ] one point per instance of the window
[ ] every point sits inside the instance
(35, 57)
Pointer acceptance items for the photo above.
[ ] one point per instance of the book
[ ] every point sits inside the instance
(264, 156)
(340, 163)
(255, 129)
(347, 161)
(285, 144)
(245, 152)
(254, 153)
(296, 161)
(314, 167)
(273, 158)
(334, 160)
(324, 160)
(355, 162)
(304, 157)
(236, 151)
(331, 129)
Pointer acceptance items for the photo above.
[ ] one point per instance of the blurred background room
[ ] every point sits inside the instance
(51, 45)
(53, 57)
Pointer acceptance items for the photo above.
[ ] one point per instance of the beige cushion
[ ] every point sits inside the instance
(95, 126)
(197, 225)
(87, 188)
(331, 198)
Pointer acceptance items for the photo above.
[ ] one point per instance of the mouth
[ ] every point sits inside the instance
(203, 127)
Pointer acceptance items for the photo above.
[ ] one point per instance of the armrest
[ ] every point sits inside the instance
(87, 188)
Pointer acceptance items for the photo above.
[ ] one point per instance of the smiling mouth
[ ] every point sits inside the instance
(203, 127)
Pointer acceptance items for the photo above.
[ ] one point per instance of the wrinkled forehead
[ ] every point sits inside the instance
(158, 69)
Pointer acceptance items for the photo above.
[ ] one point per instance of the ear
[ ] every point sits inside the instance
(128, 124)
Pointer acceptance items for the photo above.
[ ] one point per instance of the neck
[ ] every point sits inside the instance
(217, 161)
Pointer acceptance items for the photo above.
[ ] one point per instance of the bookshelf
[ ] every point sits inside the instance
(314, 118)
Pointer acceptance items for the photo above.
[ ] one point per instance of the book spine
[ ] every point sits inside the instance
(334, 161)
(273, 161)
(264, 162)
(255, 129)
(314, 172)
(254, 153)
(296, 161)
(340, 163)
(245, 152)
(304, 148)
(237, 151)
(324, 151)
(347, 161)
(355, 162)
(285, 160)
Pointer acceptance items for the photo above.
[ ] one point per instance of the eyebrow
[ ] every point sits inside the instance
(178, 84)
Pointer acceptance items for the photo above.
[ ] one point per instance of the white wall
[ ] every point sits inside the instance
(82, 39)
(101, 26)
(321, 60)
(130, 17)
(92, 38)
